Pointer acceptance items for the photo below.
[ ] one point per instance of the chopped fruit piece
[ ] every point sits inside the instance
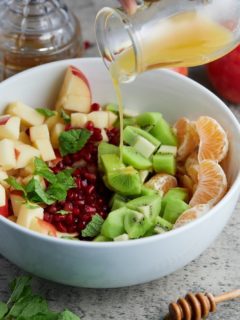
(173, 194)
(136, 224)
(122, 237)
(113, 226)
(43, 227)
(112, 107)
(112, 118)
(212, 184)
(79, 120)
(148, 119)
(187, 136)
(162, 182)
(144, 147)
(144, 175)
(101, 238)
(191, 215)
(24, 138)
(135, 159)
(213, 140)
(4, 211)
(75, 94)
(27, 214)
(10, 129)
(3, 199)
(104, 135)
(25, 154)
(187, 183)
(16, 202)
(55, 134)
(39, 132)
(100, 119)
(46, 149)
(52, 121)
(3, 176)
(40, 179)
(167, 150)
(28, 115)
(7, 154)
(174, 209)
(150, 206)
(149, 192)
(111, 162)
(118, 202)
(165, 163)
(192, 167)
(164, 133)
(125, 181)
(63, 235)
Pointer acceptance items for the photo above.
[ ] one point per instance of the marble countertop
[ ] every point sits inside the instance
(216, 270)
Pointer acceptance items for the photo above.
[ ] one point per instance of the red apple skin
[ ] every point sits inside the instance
(78, 73)
(4, 211)
(224, 75)
(181, 70)
(4, 120)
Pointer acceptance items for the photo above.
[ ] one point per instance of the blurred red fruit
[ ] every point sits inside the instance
(182, 70)
(224, 75)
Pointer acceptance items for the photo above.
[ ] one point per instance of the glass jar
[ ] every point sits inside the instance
(166, 33)
(33, 32)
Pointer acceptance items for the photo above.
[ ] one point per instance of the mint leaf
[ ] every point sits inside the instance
(16, 185)
(28, 307)
(93, 228)
(42, 169)
(46, 112)
(57, 191)
(67, 315)
(36, 193)
(65, 117)
(3, 310)
(73, 140)
(65, 178)
(19, 287)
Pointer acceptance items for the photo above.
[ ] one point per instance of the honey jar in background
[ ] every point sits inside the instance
(34, 32)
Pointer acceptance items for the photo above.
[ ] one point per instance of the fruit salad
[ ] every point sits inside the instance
(63, 173)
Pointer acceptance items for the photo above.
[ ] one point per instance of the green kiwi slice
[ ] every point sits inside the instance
(113, 226)
(175, 193)
(164, 133)
(111, 162)
(135, 159)
(174, 208)
(150, 206)
(106, 148)
(136, 224)
(148, 119)
(125, 181)
(164, 163)
(101, 238)
(112, 107)
(148, 191)
(118, 201)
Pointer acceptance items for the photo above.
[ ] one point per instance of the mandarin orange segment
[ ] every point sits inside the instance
(192, 166)
(212, 184)
(213, 140)
(191, 215)
(186, 182)
(187, 137)
(162, 182)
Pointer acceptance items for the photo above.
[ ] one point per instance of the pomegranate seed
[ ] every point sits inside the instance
(95, 107)
(68, 206)
(90, 209)
(69, 219)
(52, 209)
(90, 125)
(79, 183)
(72, 229)
(60, 227)
(87, 44)
(76, 211)
(68, 127)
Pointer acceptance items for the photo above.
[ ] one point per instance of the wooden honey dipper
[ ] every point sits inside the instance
(197, 306)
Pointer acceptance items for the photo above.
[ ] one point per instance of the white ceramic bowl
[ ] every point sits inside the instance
(105, 265)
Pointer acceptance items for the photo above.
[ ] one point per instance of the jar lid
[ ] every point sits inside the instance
(41, 26)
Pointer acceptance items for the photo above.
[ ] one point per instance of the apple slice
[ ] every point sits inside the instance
(112, 118)
(52, 121)
(100, 119)
(16, 201)
(7, 154)
(43, 227)
(75, 94)
(9, 127)
(27, 214)
(24, 155)
(63, 235)
(46, 149)
(24, 138)
(3, 198)
(28, 115)
(79, 120)
(39, 132)
(55, 133)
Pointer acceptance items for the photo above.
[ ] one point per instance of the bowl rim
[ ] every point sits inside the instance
(133, 242)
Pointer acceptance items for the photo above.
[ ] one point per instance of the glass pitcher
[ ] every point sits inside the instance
(167, 33)
(33, 32)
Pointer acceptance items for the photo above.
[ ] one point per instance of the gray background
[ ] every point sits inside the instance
(217, 270)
